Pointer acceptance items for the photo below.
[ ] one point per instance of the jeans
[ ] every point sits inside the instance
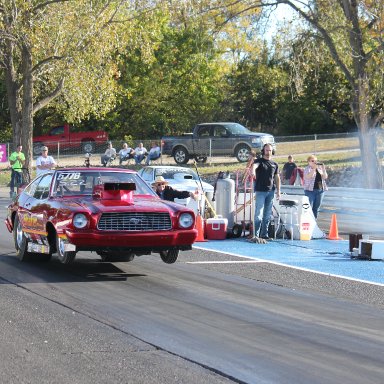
(106, 159)
(125, 158)
(263, 211)
(152, 156)
(315, 198)
(139, 158)
(16, 180)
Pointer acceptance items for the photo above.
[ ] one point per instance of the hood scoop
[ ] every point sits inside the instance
(182, 176)
(114, 191)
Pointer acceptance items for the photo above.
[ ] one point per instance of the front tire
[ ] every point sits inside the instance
(65, 257)
(170, 256)
(21, 242)
(181, 155)
(242, 153)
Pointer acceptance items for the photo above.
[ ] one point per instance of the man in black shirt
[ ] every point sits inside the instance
(267, 182)
(165, 192)
(288, 169)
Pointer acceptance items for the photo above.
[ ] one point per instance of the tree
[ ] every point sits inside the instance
(352, 32)
(172, 88)
(57, 51)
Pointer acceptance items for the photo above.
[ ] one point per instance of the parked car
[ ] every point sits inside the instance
(67, 139)
(215, 139)
(111, 211)
(181, 179)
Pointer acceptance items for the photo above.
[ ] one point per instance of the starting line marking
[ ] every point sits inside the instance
(289, 266)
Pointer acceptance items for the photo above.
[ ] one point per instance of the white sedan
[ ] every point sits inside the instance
(179, 178)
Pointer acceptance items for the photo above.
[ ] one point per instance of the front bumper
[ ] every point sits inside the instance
(94, 239)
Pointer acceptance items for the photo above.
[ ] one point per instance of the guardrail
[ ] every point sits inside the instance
(357, 210)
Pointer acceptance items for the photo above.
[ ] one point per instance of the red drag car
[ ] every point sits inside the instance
(107, 210)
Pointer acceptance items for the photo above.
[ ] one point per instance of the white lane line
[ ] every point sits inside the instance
(293, 267)
(226, 262)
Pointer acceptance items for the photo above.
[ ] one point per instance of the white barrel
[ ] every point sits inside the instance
(225, 199)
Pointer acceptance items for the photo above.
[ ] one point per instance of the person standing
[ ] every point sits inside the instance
(315, 175)
(44, 163)
(266, 183)
(17, 161)
(140, 153)
(109, 154)
(165, 192)
(288, 169)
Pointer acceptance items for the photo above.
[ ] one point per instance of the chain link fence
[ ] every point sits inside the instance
(77, 155)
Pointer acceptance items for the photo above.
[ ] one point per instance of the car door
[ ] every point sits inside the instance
(202, 141)
(221, 142)
(38, 205)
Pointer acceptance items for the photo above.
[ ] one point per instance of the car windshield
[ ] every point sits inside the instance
(81, 182)
(237, 129)
(170, 173)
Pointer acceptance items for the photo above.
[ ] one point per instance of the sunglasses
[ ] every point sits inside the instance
(313, 161)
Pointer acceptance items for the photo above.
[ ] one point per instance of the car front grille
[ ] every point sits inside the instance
(134, 221)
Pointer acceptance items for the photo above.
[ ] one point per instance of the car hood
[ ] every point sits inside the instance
(95, 206)
(190, 186)
(255, 134)
(182, 182)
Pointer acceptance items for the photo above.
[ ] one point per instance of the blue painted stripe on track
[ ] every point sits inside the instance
(328, 257)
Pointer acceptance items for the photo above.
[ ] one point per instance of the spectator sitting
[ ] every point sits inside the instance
(125, 153)
(140, 153)
(154, 153)
(109, 154)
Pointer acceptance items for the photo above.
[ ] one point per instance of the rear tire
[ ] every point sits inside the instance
(21, 242)
(65, 257)
(201, 159)
(170, 256)
(88, 147)
(37, 149)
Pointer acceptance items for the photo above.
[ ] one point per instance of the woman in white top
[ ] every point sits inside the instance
(44, 163)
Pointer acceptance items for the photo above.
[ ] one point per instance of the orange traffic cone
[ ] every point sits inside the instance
(333, 231)
(199, 225)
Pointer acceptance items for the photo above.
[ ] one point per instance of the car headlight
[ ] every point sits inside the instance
(185, 220)
(80, 220)
(256, 140)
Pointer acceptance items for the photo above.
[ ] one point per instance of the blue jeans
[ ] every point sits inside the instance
(16, 180)
(315, 198)
(263, 211)
(139, 158)
(152, 156)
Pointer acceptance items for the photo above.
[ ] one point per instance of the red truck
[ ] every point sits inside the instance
(62, 134)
